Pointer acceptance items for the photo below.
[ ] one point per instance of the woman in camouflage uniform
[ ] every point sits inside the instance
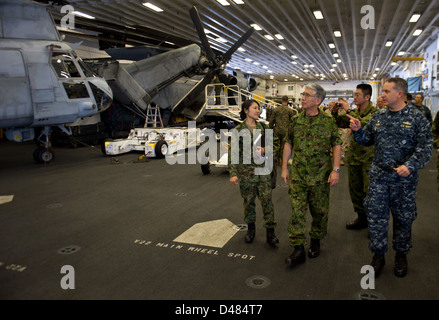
(252, 185)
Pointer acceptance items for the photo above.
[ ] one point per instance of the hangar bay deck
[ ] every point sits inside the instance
(149, 230)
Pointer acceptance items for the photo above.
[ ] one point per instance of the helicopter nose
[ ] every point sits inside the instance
(102, 94)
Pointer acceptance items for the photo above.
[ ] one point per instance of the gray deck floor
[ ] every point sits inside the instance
(122, 219)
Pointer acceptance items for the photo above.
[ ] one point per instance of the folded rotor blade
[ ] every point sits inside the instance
(201, 34)
(228, 55)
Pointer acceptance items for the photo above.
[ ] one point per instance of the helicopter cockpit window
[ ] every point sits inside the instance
(86, 69)
(64, 65)
(76, 90)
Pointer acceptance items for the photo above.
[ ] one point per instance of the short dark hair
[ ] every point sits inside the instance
(245, 106)
(285, 98)
(366, 89)
(400, 84)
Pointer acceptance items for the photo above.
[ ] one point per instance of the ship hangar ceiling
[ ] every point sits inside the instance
(312, 40)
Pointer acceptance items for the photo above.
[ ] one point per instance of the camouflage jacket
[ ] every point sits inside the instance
(312, 139)
(435, 130)
(280, 119)
(357, 154)
(400, 138)
(246, 159)
(426, 112)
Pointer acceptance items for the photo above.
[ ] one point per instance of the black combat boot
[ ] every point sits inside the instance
(378, 263)
(400, 265)
(271, 237)
(314, 248)
(251, 231)
(357, 224)
(298, 256)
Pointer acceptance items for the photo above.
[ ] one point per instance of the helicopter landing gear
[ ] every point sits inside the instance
(44, 153)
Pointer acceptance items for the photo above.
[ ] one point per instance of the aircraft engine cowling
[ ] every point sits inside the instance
(252, 84)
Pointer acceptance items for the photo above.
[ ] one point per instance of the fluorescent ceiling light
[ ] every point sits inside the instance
(241, 49)
(417, 32)
(223, 2)
(401, 53)
(256, 27)
(152, 7)
(238, 1)
(335, 55)
(318, 14)
(248, 60)
(293, 56)
(393, 64)
(389, 43)
(293, 62)
(84, 15)
(331, 45)
(339, 60)
(222, 40)
(264, 67)
(337, 34)
(279, 36)
(269, 37)
(415, 17)
(282, 48)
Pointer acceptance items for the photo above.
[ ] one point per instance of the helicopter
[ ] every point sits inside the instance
(174, 79)
(43, 83)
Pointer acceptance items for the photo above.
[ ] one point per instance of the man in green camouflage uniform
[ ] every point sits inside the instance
(280, 121)
(252, 183)
(312, 136)
(436, 143)
(359, 157)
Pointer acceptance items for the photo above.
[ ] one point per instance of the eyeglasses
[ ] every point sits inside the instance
(307, 95)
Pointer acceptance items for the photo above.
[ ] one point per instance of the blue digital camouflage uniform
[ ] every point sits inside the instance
(250, 184)
(400, 138)
(312, 140)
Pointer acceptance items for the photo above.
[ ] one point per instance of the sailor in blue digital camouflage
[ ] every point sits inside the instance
(403, 145)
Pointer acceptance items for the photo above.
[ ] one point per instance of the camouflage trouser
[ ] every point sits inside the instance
(398, 197)
(317, 197)
(358, 186)
(252, 186)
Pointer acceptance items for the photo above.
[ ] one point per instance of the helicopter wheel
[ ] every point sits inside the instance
(43, 155)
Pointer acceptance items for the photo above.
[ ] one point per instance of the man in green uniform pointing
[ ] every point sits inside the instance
(359, 157)
(312, 135)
